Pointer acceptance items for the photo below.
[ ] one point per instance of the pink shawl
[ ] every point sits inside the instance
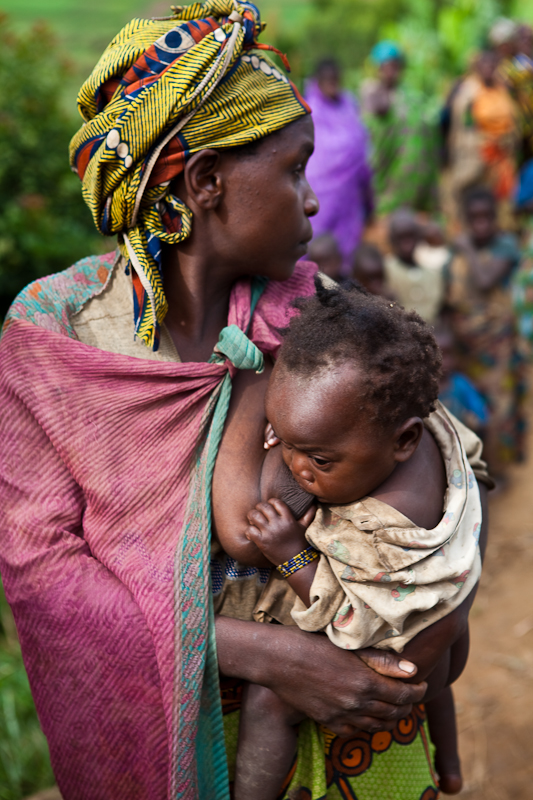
(101, 456)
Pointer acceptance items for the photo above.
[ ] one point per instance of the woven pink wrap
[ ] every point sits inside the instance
(95, 469)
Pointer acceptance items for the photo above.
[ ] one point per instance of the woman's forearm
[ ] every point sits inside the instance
(327, 684)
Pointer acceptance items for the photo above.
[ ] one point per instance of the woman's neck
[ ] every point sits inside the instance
(198, 300)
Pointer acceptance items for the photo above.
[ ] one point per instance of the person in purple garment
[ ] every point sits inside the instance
(338, 170)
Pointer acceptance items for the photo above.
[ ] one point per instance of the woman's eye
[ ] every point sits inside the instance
(320, 462)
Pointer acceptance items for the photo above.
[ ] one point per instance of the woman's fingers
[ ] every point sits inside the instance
(387, 663)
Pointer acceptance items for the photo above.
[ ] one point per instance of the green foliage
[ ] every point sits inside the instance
(24, 760)
(440, 39)
(44, 224)
(341, 28)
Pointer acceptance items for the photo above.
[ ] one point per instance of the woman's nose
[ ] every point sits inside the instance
(311, 204)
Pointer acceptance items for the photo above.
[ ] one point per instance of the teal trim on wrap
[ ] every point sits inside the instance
(196, 656)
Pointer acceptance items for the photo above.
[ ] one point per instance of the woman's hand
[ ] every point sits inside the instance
(329, 685)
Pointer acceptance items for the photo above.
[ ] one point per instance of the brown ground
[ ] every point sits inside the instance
(494, 696)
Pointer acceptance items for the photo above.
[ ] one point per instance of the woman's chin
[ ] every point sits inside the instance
(281, 271)
(301, 250)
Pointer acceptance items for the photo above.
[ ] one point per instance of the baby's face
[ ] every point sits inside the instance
(330, 444)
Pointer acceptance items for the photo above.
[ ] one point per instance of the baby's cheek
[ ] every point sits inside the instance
(286, 455)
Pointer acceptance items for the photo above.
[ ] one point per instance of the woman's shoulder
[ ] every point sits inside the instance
(50, 302)
(276, 306)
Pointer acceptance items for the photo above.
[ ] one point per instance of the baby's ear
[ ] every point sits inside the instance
(407, 438)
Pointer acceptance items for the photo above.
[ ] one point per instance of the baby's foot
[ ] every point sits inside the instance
(450, 781)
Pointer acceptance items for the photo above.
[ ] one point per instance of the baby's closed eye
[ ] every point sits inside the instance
(320, 462)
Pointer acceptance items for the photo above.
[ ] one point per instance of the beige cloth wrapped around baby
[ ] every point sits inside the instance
(381, 579)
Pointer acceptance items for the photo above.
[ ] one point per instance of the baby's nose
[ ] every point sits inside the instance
(300, 470)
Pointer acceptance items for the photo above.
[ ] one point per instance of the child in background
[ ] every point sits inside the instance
(490, 353)
(457, 392)
(324, 251)
(369, 269)
(416, 286)
(353, 388)
(432, 252)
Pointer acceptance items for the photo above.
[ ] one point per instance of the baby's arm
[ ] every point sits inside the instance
(281, 537)
(245, 473)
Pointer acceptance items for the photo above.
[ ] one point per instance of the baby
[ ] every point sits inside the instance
(354, 385)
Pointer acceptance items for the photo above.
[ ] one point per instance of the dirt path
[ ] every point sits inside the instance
(494, 696)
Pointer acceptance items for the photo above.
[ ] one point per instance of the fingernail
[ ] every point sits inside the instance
(406, 666)
(266, 445)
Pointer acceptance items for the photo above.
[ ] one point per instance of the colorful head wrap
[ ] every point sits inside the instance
(163, 90)
(386, 51)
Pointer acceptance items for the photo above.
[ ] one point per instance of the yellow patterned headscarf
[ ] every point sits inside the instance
(162, 90)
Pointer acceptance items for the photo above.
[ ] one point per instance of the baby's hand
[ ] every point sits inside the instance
(271, 440)
(276, 533)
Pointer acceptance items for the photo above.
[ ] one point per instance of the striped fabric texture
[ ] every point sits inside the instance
(105, 491)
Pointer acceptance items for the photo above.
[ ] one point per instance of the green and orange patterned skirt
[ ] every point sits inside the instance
(381, 766)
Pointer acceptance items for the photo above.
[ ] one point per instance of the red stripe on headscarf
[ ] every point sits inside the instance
(170, 163)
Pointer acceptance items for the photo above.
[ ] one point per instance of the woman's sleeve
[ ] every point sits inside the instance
(86, 646)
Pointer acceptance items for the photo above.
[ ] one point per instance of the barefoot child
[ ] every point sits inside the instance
(349, 399)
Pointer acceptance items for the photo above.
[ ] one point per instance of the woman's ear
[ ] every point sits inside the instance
(407, 438)
(203, 180)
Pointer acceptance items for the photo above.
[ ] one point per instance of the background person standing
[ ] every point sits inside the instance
(339, 171)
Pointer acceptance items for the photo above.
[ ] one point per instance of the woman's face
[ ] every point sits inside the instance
(390, 72)
(267, 203)
(329, 82)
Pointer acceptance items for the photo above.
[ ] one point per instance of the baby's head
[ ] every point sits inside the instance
(405, 233)
(355, 377)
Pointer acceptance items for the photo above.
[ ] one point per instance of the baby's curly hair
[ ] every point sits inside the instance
(394, 348)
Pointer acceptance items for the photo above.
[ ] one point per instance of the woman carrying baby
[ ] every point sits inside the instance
(122, 381)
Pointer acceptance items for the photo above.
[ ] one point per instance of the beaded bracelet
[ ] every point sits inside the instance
(301, 560)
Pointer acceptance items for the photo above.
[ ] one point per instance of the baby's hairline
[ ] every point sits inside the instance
(325, 370)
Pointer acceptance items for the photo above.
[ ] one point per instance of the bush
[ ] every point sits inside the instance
(24, 760)
(44, 223)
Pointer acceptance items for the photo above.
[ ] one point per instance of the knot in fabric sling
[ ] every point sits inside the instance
(236, 346)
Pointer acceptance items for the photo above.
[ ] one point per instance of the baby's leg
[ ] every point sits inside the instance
(441, 721)
(267, 744)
